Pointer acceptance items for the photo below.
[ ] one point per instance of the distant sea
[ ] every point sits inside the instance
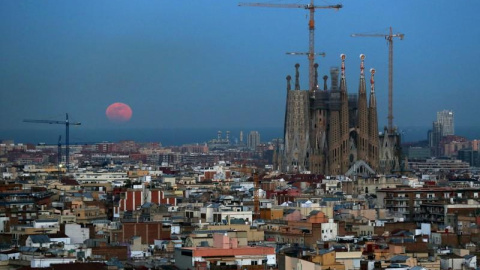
(180, 136)
(166, 136)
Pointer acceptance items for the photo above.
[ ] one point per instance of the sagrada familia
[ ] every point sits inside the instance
(332, 132)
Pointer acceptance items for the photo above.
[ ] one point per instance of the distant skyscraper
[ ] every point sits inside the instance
(253, 140)
(445, 118)
(434, 137)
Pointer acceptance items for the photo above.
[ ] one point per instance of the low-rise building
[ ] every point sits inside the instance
(225, 252)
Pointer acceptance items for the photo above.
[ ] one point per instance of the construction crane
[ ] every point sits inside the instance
(315, 83)
(306, 53)
(59, 157)
(389, 37)
(67, 134)
(59, 152)
(311, 27)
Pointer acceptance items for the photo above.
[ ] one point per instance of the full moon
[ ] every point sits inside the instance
(119, 112)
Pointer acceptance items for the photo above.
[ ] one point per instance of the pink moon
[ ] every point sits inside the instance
(119, 112)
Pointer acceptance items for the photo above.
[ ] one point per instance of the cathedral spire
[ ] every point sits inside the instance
(373, 125)
(289, 85)
(362, 115)
(373, 102)
(297, 75)
(315, 86)
(344, 148)
(325, 78)
(362, 65)
(362, 88)
(343, 82)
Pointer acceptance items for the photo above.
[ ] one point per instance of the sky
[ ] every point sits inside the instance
(213, 64)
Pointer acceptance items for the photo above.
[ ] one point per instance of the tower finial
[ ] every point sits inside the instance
(372, 80)
(315, 86)
(297, 75)
(343, 57)
(289, 86)
(362, 65)
(325, 78)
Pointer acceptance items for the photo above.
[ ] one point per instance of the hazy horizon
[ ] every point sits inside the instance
(179, 136)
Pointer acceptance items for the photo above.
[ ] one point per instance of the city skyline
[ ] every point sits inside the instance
(216, 65)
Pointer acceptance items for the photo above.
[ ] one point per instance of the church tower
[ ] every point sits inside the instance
(334, 134)
(344, 121)
(296, 137)
(330, 131)
(318, 127)
(373, 142)
(363, 123)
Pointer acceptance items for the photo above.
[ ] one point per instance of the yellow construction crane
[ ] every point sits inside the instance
(389, 37)
(311, 26)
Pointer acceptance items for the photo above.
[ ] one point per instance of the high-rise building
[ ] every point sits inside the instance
(470, 156)
(253, 140)
(330, 131)
(434, 138)
(446, 119)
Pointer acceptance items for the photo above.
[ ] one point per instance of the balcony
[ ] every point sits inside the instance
(392, 205)
(397, 199)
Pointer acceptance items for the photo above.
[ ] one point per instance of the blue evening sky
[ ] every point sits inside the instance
(206, 63)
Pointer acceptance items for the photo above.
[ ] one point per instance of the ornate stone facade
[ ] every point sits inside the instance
(330, 131)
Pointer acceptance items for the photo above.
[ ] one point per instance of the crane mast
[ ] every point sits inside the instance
(308, 54)
(67, 124)
(59, 152)
(311, 28)
(389, 37)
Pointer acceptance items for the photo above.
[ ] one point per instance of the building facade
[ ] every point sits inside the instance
(446, 119)
(330, 131)
(253, 140)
